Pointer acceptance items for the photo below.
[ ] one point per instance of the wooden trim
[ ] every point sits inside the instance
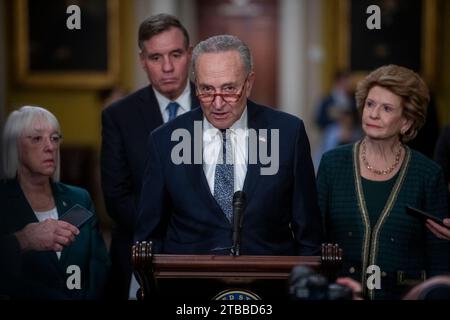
(151, 267)
(343, 34)
(210, 266)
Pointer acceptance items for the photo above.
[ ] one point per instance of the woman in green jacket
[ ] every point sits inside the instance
(364, 189)
(43, 257)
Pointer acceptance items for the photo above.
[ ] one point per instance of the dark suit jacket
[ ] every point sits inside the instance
(180, 215)
(126, 125)
(442, 152)
(400, 245)
(39, 274)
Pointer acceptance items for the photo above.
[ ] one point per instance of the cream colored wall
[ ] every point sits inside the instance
(301, 57)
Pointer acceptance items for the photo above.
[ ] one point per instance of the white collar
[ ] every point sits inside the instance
(184, 99)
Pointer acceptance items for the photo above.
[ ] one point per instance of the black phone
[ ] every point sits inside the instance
(77, 216)
(423, 215)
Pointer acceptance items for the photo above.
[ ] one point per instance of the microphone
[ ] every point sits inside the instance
(239, 203)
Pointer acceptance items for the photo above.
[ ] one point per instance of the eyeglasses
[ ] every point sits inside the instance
(55, 139)
(208, 98)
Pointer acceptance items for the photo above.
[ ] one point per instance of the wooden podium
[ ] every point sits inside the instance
(208, 275)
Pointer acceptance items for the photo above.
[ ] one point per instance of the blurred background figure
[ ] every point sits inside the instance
(340, 98)
(337, 116)
(346, 129)
(37, 248)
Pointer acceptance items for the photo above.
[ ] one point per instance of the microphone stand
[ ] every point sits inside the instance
(238, 213)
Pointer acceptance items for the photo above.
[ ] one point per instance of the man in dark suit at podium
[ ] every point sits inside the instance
(197, 162)
(165, 56)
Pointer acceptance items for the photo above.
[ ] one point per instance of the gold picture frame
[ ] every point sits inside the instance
(428, 34)
(30, 71)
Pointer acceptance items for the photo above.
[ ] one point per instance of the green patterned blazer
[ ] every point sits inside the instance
(400, 245)
(40, 274)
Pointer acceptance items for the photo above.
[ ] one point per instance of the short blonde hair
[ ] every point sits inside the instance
(406, 84)
(16, 124)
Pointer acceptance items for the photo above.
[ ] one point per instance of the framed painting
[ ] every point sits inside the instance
(49, 53)
(407, 36)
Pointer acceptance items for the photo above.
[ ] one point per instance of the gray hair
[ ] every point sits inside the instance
(16, 125)
(223, 43)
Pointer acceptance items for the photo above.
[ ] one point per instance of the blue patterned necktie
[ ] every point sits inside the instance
(224, 178)
(172, 107)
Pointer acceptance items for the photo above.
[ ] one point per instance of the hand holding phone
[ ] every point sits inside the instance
(419, 214)
(77, 216)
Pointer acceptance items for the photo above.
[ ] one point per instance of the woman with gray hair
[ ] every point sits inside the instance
(43, 256)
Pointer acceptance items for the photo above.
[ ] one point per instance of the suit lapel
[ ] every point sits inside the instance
(63, 203)
(195, 170)
(24, 215)
(253, 170)
(150, 110)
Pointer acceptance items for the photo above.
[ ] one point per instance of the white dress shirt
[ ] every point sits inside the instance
(184, 100)
(212, 146)
(44, 215)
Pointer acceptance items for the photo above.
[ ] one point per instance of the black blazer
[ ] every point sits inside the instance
(180, 215)
(40, 274)
(442, 152)
(126, 125)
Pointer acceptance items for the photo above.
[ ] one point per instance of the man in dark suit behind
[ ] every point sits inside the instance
(186, 203)
(165, 56)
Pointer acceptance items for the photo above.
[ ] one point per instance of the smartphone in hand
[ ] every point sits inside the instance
(423, 215)
(77, 216)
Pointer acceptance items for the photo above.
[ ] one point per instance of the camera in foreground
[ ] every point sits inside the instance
(305, 284)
